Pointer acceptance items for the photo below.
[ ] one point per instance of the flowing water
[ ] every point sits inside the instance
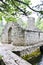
(37, 61)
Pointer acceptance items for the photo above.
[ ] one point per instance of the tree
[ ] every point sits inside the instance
(39, 23)
(10, 9)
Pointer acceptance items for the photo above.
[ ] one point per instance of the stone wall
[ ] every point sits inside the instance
(18, 36)
(41, 36)
(31, 37)
(30, 23)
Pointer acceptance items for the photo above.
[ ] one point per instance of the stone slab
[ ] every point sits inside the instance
(10, 58)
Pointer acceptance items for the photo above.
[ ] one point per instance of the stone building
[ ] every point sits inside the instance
(14, 34)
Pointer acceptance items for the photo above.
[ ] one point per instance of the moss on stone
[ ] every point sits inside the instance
(32, 55)
(1, 57)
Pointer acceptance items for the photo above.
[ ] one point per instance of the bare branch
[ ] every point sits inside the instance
(27, 5)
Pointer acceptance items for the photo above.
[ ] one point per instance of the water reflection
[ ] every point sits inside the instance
(40, 61)
(37, 61)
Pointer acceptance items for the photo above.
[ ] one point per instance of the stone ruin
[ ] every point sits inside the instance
(14, 34)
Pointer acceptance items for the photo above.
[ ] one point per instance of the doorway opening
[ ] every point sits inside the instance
(9, 35)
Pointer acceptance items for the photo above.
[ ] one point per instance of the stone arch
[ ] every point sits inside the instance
(9, 35)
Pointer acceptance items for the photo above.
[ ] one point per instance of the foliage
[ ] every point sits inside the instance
(39, 23)
(15, 7)
(11, 9)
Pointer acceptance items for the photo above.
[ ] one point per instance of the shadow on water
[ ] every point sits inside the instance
(37, 61)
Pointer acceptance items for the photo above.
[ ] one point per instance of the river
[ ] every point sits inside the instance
(37, 61)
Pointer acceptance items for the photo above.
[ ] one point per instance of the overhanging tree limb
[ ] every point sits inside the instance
(19, 8)
(15, 6)
(3, 2)
(22, 3)
(28, 6)
(22, 9)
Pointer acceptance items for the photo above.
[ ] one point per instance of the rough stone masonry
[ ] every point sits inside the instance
(14, 34)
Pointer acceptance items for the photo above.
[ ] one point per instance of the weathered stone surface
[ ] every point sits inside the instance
(14, 38)
(31, 23)
(31, 37)
(14, 34)
(10, 58)
(21, 50)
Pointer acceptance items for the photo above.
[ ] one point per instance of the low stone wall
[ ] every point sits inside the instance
(32, 37)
